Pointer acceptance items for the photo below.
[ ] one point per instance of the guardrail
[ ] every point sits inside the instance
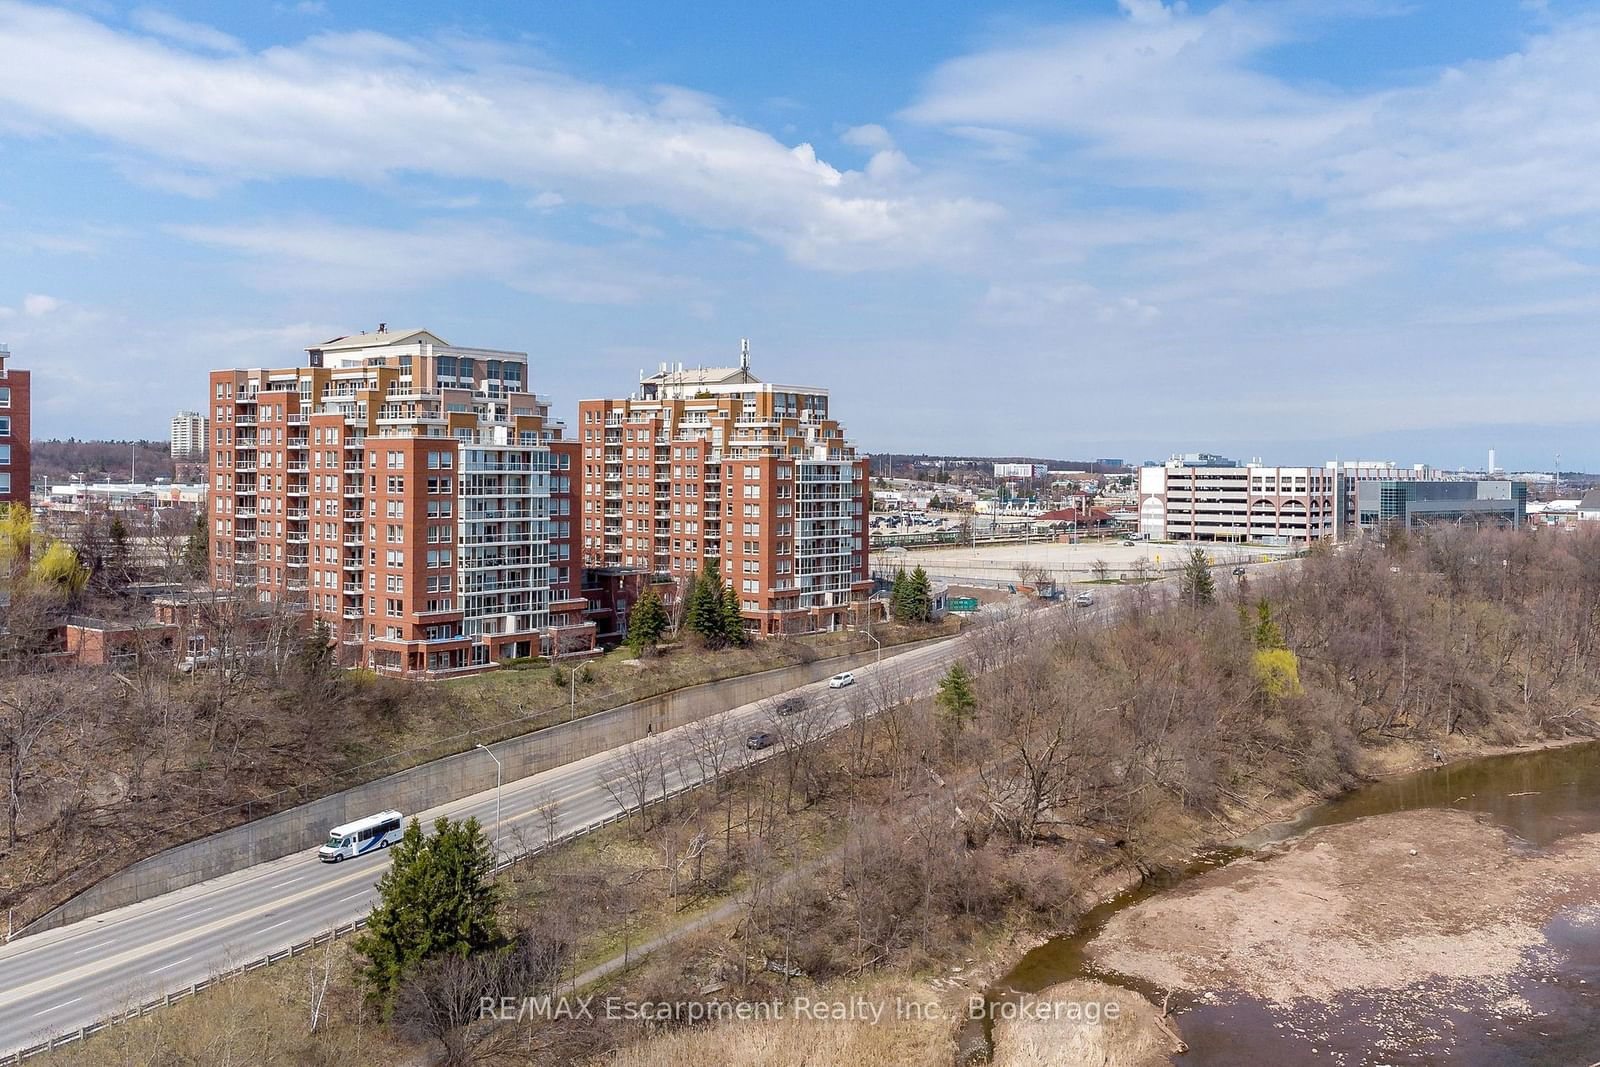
(82, 1033)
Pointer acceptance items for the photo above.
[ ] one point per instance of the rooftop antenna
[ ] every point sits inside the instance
(383, 327)
(744, 354)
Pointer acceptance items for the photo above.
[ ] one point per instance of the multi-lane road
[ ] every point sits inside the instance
(55, 982)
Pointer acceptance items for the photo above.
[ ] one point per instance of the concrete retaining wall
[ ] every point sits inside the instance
(429, 785)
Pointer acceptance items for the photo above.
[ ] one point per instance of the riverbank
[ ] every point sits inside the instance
(1394, 926)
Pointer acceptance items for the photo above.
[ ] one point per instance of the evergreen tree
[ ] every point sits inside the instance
(1267, 635)
(647, 623)
(897, 596)
(705, 615)
(957, 702)
(732, 616)
(1195, 585)
(919, 596)
(686, 597)
(438, 898)
(197, 550)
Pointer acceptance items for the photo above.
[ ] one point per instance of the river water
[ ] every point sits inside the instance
(1541, 797)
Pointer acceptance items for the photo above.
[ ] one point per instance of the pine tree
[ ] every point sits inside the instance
(1195, 585)
(706, 611)
(197, 550)
(647, 623)
(437, 898)
(957, 702)
(686, 598)
(732, 616)
(1267, 635)
(920, 596)
(897, 596)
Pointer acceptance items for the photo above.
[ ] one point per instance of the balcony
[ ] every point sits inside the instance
(351, 564)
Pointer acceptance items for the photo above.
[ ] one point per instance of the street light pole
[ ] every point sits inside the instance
(496, 759)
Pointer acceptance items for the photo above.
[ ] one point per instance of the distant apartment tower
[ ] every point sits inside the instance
(715, 464)
(1024, 471)
(15, 430)
(188, 435)
(415, 496)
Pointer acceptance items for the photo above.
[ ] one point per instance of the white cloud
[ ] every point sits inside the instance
(182, 31)
(364, 106)
(35, 305)
(318, 255)
(547, 201)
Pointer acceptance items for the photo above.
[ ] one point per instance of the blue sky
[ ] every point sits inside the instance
(1294, 230)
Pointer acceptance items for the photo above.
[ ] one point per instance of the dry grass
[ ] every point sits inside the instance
(1132, 1039)
(260, 1019)
(807, 1042)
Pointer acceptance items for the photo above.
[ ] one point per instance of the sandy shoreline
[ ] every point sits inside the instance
(1352, 908)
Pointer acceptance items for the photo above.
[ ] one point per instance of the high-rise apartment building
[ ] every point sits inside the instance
(715, 464)
(15, 430)
(415, 496)
(188, 435)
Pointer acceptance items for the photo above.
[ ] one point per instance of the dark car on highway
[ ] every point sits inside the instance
(756, 742)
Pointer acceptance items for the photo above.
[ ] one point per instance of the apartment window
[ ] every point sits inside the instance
(752, 585)
(440, 558)
(395, 509)
(396, 483)
(393, 583)
(440, 509)
(5, 425)
(440, 486)
(395, 558)
(396, 461)
(5, 396)
(441, 460)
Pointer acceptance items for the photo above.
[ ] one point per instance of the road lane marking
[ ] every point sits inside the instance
(65, 979)
(63, 1004)
(174, 963)
(353, 896)
(274, 926)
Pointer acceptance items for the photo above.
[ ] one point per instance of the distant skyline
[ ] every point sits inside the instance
(1299, 230)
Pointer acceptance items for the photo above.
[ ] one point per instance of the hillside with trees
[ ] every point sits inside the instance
(56, 461)
(936, 829)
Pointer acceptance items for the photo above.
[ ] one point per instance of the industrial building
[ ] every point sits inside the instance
(715, 464)
(414, 496)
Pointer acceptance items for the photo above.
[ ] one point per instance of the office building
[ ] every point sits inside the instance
(412, 495)
(1382, 506)
(15, 431)
(715, 464)
(188, 435)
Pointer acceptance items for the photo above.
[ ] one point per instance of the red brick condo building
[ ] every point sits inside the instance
(715, 464)
(15, 428)
(415, 496)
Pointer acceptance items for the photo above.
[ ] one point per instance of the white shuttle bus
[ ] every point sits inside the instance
(362, 836)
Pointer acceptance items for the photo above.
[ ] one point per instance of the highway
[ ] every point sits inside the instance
(55, 982)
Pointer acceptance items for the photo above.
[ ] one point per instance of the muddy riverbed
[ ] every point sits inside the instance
(1451, 916)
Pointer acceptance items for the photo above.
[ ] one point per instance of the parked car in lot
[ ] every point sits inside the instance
(1127, 544)
(1083, 600)
(757, 742)
(839, 681)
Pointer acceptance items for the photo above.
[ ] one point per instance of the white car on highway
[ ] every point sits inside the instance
(839, 681)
